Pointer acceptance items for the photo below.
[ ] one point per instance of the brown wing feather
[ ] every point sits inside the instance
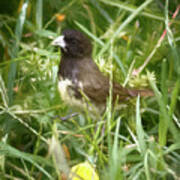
(96, 85)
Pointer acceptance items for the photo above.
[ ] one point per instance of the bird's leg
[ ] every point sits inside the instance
(66, 117)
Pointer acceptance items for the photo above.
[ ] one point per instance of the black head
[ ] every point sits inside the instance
(74, 44)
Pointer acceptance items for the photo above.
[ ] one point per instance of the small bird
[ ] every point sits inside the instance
(80, 81)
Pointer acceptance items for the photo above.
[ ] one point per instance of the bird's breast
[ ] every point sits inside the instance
(70, 92)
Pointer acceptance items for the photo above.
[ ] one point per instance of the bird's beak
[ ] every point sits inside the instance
(59, 41)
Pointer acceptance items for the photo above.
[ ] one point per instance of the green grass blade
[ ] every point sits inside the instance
(3, 92)
(15, 49)
(102, 11)
(146, 166)
(39, 14)
(174, 97)
(139, 128)
(9, 151)
(131, 8)
(176, 59)
(115, 145)
(172, 42)
(163, 116)
(124, 24)
(164, 88)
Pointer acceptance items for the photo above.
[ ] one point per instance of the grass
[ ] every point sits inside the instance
(140, 141)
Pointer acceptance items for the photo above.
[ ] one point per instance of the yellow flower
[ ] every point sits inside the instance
(83, 171)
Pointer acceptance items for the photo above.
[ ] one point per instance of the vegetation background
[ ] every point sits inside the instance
(141, 39)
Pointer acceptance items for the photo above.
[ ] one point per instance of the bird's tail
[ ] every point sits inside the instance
(141, 92)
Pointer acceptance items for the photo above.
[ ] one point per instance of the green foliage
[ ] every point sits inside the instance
(139, 141)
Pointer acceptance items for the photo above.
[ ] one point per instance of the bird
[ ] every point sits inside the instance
(80, 82)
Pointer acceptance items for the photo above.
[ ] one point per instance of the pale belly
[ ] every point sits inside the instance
(67, 95)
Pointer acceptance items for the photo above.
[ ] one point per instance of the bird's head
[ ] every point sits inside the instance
(73, 44)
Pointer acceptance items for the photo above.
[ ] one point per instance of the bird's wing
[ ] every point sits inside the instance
(96, 85)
